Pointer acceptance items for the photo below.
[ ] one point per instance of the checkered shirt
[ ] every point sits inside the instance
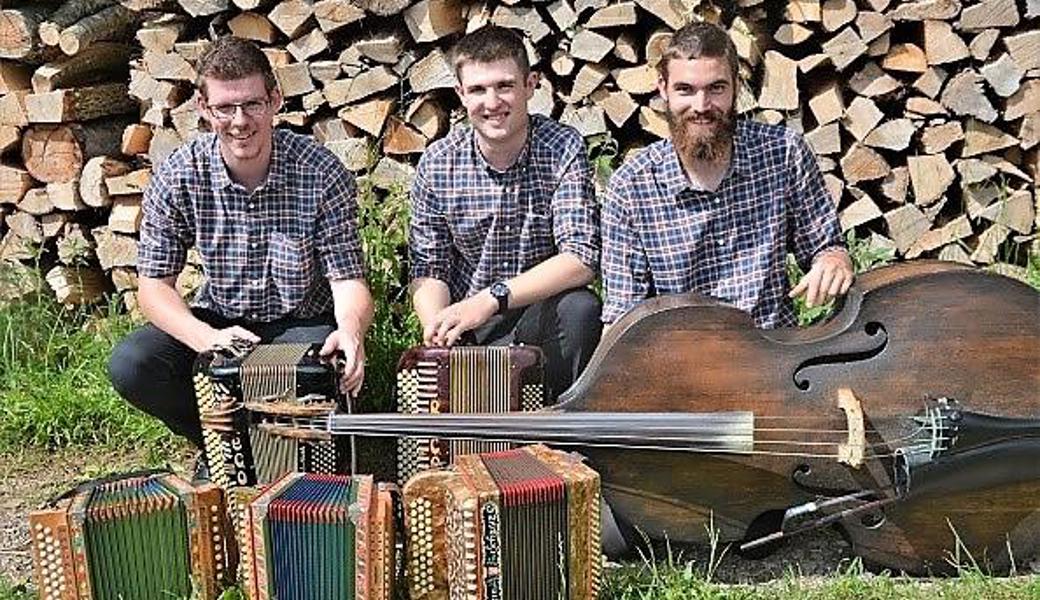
(266, 254)
(660, 236)
(473, 225)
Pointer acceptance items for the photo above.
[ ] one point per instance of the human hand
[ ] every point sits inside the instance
(351, 362)
(235, 340)
(452, 321)
(830, 276)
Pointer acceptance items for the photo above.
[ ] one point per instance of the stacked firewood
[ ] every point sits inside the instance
(925, 115)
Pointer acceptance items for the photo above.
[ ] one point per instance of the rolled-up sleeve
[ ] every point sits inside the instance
(338, 237)
(429, 238)
(575, 210)
(166, 232)
(626, 272)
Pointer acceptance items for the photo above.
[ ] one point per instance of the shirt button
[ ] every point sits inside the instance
(252, 205)
(721, 243)
(256, 283)
(505, 263)
(508, 228)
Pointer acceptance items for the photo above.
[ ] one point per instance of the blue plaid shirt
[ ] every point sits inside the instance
(473, 225)
(266, 254)
(660, 236)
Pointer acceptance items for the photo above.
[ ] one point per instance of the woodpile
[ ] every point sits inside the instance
(924, 114)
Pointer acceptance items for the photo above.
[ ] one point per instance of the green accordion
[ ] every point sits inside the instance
(138, 537)
(312, 536)
(521, 524)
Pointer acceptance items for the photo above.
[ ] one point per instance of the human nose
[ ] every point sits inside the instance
(493, 99)
(699, 101)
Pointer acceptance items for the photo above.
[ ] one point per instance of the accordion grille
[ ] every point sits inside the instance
(269, 372)
(480, 382)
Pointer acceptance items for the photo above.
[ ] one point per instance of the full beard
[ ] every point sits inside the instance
(710, 147)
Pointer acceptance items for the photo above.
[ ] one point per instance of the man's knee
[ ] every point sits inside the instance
(579, 306)
(126, 368)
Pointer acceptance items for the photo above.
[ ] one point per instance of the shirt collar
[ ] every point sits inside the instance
(276, 172)
(670, 172)
(521, 159)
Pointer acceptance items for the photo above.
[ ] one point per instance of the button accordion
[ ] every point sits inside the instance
(314, 537)
(237, 394)
(520, 524)
(136, 537)
(461, 379)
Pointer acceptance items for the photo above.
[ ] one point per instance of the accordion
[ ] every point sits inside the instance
(314, 537)
(236, 394)
(138, 537)
(461, 379)
(520, 524)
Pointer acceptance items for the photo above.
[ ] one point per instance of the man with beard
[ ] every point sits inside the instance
(716, 209)
(504, 234)
(273, 217)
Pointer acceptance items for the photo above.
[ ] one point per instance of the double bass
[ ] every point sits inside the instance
(910, 420)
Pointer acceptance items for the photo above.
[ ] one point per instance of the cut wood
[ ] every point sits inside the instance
(76, 285)
(307, 45)
(954, 231)
(160, 34)
(383, 8)
(289, 16)
(925, 9)
(872, 25)
(827, 105)
(1003, 75)
(942, 45)
(430, 20)
(55, 154)
(349, 91)
(128, 184)
(861, 117)
(123, 278)
(862, 164)
(964, 96)
(333, 128)
(825, 139)
(14, 182)
(907, 58)
(390, 174)
(780, 83)
(79, 104)
(24, 226)
(863, 210)
(835, 186)
(906, 225)
(982, 43)
(112, 23)
(312, 102)
(113, 249)
(653, 122)
(1025, 101)
(989, 13)
(1028, 132)
(1025, 49)
(65, 196)
(10, 137)
(52, 224)
(253, 26)
(562, 14)
(673, 13)
(294, 80)
(35, 202)
(896, 184)
(924, 107)
(369, 116)
(617, 105)
(590, 46)
(19, 33)
(335, 14)
(974, 170)
(202, 8)
(586, 81)
(837, 14)
(879, 47)
(872, 82)
(802, 11)
(656, 43)
(252, 4)
(1015, 212)
(613, 15)
(164, 142)
(67, 14)
(931, 81)
(401, 138)
(14, 76)
(587, 120)
(937, 138)
(125, 214)
(353, 153)
(12, 109)
(746, 41)
(980, 138)
(384, 49)
(431, 72)
(930, 176)
(844, 48)
(160, 94)
(524, 18)
(193, 50)
(893, 134)
(562, 63)
(99, 62)
(428, 116)
(92, 188)
(989, 243)
(636, 80)
(792, 34)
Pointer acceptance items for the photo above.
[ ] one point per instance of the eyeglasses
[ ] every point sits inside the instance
(226, 112)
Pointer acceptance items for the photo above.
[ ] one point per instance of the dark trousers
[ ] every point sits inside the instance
(565, 326)
(152, 371)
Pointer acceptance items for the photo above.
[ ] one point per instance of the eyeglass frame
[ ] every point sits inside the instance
(217, 111)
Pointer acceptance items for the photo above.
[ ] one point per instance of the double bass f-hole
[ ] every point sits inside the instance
(874, 343)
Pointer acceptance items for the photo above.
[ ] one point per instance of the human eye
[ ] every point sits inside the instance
(253, 107)
(224, 110)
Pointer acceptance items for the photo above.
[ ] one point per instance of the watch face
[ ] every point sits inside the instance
(499, 290)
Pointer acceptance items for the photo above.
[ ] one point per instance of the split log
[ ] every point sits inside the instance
(906, 225)
(863, 164)
(653, 122)
(12, 109)
(353, 153)
(124, 278)
(942, 45)
(54, 154)
(349, 91)
(307, 45)
(79, 104)
(401, 138)
(924, 107)
(618, 106)
(672, 13)
(1015, 212)
(980, 138)
(930, 82)
(369, 116)
(964, 96)
(861, 117)
(164, 141)
(872, 82)
(989, 13)
(844, 48)
(112, 23)
(23, 225)
(524, 18)
(636, 80)
(896, 184)
(53, 224)
(335, 14)
(989, 243)
(792, 34)
(872, 25)
(982, 43)
(588, 79)
(92, 187)
(892, 135)
(780, 85)
(430, 20)
(390, 174)
(938, 138)
(562, 14)
(587, 120)
(113, 249)
(289, 16)
(135, 139)
(384, 49)
(169, 66)
(954, 231)
(67, 14)
(613, 15)
(827, 105)
(35, 202)
(1003, 76)
(431, 72)
(202, 8)
(1025, 101)
(802, 11)
(923, 10)
(930, 176)
(860, 212)
(428, 116)
(10, 137)
(825, 139)
(294, 80)
(125, 215)
(14, 183)
(906, 58)
(128, 184)
(590, 46)
(19, 33)
(383, 8)
(837, 13)
(1024, 49)
(65, 196)
(102, 61)
(76, 285)
(252, 26)
(160, 34)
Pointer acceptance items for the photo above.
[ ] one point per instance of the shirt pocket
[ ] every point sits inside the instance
(537, 236)
(292, 260)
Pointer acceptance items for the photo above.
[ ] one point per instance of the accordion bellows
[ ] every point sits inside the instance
(463, 379)
(520, 524)
(133, 538)
(319, 537)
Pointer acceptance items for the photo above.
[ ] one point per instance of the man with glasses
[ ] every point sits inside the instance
(273, 216)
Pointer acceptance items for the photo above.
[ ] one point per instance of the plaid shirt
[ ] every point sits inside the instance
(266, 254)
(473, 225)
(660, 236)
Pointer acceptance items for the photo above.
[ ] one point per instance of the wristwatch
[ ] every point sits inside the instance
(500, 291)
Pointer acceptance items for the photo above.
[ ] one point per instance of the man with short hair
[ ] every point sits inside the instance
(273, 216)
(716, 209)
(504, 237)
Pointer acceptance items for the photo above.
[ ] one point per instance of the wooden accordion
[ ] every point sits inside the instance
(461, 379)
(237, 396)
(317, 537)
(139, 537)
(520, 524)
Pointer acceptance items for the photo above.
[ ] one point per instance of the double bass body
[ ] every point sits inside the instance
(906, 337)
